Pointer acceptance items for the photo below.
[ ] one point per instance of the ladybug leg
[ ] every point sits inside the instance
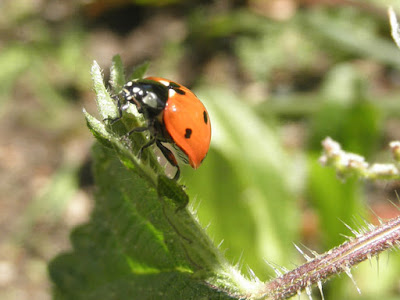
(137, 129)
(170, 157)
(147, 145)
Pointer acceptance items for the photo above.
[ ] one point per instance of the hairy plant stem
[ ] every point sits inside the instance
(338, 260)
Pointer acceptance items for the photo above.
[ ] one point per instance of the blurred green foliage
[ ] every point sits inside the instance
(274, 87)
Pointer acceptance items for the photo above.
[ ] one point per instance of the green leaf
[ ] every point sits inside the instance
(98, 129)
(138, 245)
(167, 187)
(139, 71)
(105, 103)
(117, 77)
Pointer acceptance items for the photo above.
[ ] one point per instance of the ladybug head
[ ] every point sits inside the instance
(149, 96)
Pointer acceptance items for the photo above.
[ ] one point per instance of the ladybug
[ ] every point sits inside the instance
(174, 115)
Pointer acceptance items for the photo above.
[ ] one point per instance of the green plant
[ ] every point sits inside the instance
(143, 240)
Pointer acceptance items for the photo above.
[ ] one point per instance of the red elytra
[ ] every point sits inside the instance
(187, 122)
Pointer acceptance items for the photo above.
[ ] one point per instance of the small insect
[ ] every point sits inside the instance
(174, 115)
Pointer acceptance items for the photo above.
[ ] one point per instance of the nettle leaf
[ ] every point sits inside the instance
(141, 242)
(139, 71)
(117, 75)
(129, 248)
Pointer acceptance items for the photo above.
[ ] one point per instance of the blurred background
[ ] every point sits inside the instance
(277, 76)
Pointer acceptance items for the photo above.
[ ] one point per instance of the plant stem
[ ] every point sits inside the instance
(338, 260)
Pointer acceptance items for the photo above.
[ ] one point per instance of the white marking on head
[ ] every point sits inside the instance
(129, 83)
(136, 89)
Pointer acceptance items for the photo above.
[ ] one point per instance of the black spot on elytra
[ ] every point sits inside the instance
(180, 91)
(205, 116)
(174, 85)
(188, 133)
